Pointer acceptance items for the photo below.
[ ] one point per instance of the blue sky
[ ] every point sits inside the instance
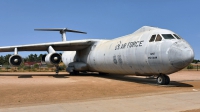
(106, 19)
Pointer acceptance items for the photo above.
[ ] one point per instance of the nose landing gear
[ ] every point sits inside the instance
(163, 79)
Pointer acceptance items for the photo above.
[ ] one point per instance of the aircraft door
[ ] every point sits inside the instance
(153, 53)
(141, 58)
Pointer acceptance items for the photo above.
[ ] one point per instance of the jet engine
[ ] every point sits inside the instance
(52, 58)
(15, 60)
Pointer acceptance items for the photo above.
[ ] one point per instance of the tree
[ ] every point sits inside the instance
(1, 60)
(6, 59)
(195, 61)
(31, 58)
(40, 57)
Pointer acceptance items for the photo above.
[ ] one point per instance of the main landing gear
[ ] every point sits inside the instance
(57, 69)
(163, 79)
(74, 72)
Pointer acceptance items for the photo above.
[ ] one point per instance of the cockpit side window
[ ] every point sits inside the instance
(177, 36)
(152, 38)
(168, 36)
(158, 38)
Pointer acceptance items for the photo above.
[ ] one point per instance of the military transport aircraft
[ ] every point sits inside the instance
(149, 51)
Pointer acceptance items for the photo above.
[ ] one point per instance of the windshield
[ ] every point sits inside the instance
(177, 36)
(152, 38)
(158, 38)
(167, 36)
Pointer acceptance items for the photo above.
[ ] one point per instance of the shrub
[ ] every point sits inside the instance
(190, 66)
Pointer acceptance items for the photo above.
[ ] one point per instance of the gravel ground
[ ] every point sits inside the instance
(24, 89)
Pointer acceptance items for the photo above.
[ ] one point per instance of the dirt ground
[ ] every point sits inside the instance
(21, 89)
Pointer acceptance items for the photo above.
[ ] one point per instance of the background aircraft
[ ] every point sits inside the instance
(146, 52)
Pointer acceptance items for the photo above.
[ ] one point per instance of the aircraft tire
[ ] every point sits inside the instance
(101, 73)
(74, 72)
(161, 80)
(71, 73)
(57, 71)
(167, 80)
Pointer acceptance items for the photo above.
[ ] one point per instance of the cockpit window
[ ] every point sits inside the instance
(152, 38)
(177, 36)
(158, 38)
(167, 36)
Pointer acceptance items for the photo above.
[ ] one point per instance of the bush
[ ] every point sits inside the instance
(63, 67)
(26, 67)
(190, 66)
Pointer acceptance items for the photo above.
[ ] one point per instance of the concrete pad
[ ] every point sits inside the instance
(155, 103)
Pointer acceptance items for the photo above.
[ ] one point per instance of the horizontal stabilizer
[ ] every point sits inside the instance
(62, 30)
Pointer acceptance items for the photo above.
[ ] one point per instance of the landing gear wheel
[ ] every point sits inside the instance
(57, 72)
(74, 72)
(161, 79)
(167, 80)
(71, 73)
(101, 73)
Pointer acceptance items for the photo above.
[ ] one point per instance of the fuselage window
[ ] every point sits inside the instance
(167, 36)
(158, 38)
(152, 38)
(177, 36)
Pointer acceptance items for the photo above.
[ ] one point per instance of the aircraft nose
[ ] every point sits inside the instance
(180, 54)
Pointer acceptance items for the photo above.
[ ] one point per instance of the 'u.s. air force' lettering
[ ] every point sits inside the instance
(129, 45)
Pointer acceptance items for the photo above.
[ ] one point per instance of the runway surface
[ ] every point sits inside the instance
(48, 92)
(155, 103)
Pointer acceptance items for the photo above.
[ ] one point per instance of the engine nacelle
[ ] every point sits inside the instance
(52, 58)
(15, 60)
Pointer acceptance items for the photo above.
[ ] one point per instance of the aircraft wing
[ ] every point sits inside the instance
(58, 46)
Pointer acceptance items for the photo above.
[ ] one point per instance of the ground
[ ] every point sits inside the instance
(28, 89)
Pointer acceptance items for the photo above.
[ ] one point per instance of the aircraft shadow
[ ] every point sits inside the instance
(141, 80)
(25, 76)
(31, 75)
(60, 76)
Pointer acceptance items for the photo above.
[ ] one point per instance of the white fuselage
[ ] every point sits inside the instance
(133, 54)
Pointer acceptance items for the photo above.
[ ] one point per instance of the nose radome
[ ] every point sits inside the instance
(180, 54)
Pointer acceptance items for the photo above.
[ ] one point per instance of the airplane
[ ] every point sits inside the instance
(149, 51)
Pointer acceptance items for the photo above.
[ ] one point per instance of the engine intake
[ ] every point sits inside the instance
(15, 60)
(52, 58)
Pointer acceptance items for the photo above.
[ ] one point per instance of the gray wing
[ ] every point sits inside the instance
(58, 46)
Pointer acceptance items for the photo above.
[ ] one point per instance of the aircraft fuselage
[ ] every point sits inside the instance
(133, 54)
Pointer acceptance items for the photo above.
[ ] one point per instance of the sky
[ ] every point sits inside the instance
(101, 19)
